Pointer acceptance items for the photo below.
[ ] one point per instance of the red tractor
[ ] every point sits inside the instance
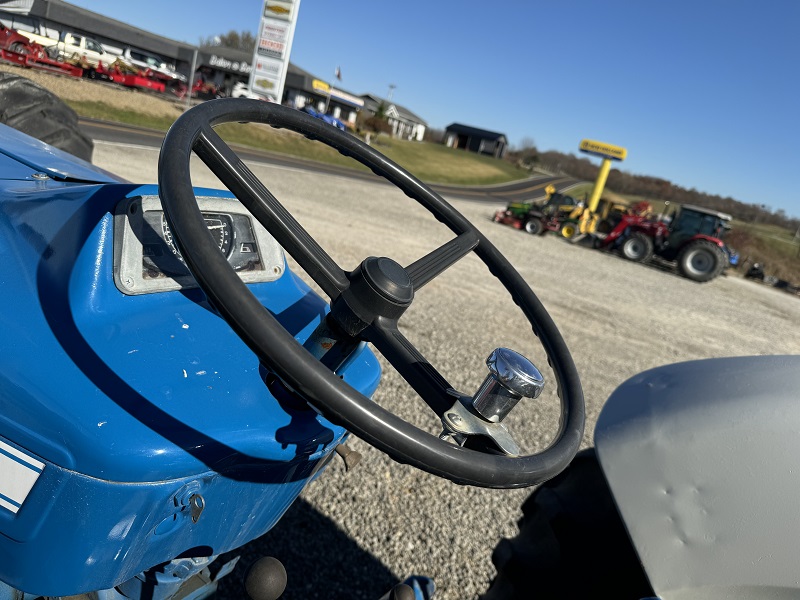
(691, 237)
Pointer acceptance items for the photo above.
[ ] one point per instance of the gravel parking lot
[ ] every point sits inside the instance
(352, 535)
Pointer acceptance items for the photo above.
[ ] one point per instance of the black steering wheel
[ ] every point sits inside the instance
(366, 303)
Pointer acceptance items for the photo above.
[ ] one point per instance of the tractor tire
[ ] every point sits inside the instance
(571, 543)
(638, 247)
(534, 226)
(30, 108)
(701, 261)
(568, 230)
(19, 48)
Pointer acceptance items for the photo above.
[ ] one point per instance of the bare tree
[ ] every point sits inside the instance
(239, 40)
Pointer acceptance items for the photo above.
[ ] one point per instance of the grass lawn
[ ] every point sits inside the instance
(430, 162)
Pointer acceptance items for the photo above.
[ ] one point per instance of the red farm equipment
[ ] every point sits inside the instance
(18, 49)
(690, 236)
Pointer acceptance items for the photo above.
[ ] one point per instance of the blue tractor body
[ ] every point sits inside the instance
(136, 429)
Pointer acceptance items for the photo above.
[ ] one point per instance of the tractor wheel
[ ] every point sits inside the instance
(19, 48)
(638, 247)
(571, 543)
(568, 230)
(30, 108)
(534, 226)
(701, 260)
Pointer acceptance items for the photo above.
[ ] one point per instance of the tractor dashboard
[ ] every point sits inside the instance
(147, 258)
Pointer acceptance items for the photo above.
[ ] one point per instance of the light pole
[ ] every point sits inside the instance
(391, 91)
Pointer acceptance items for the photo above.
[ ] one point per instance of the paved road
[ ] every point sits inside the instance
(518, 191)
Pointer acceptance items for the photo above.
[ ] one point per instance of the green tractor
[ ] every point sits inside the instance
(538, 218)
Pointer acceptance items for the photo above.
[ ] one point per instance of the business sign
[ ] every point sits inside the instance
(323, 87)
(235, 66)
(271, 56)
(603, 150)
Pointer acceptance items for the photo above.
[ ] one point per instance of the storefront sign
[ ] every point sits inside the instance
(320, 86)
(229, 65)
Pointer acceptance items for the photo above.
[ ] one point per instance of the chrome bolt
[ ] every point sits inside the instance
(454, 418)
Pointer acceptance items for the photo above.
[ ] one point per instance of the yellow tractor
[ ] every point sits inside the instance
(583, 220)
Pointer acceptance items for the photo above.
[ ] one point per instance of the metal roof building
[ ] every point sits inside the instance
(476, 140)
(217, 65)
(28, 15)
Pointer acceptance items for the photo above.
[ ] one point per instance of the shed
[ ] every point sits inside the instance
(475, 140)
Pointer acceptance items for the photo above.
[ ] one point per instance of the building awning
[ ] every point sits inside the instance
(324, 88)
(22, 7)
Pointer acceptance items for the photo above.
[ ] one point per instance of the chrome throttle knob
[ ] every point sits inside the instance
(511, 377)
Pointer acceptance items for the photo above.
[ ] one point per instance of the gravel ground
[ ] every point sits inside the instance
(352, 535)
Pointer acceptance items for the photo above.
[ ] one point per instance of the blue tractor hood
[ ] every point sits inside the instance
(21, 156)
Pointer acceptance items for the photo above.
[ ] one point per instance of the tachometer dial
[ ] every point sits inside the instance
(219, 226)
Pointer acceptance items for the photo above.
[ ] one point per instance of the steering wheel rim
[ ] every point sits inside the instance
(280, 352)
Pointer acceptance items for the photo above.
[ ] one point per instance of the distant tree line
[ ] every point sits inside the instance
(527, 156)
(648, 186)
(239, 40)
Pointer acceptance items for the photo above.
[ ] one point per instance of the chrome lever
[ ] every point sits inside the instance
(511, 377)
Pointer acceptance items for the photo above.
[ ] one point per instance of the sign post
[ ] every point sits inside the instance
(608, 153)
(274, 44)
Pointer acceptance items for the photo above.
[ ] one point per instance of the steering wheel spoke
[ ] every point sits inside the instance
(231, 171)
(434, 264)
(412, 366)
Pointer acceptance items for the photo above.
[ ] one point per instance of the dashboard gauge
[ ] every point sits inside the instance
(219, 226)
(146, 254)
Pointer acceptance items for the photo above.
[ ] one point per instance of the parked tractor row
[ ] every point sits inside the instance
(691, 237)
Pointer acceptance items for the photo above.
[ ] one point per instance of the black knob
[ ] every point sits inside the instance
(265, 579)
(400, 592)
(389, 279)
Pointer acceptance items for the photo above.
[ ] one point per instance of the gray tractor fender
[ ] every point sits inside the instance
(703, 461)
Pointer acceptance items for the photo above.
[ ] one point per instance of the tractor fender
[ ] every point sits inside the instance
(701, 461)
(702, 236)
(626, 225)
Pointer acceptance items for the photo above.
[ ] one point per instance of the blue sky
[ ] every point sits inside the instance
(704, 93)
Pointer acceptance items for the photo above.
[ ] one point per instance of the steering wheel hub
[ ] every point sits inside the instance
(388, 279)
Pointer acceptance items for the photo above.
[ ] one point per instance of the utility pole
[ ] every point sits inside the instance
(191, 81)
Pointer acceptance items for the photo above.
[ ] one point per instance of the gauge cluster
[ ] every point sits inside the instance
(147, 260)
